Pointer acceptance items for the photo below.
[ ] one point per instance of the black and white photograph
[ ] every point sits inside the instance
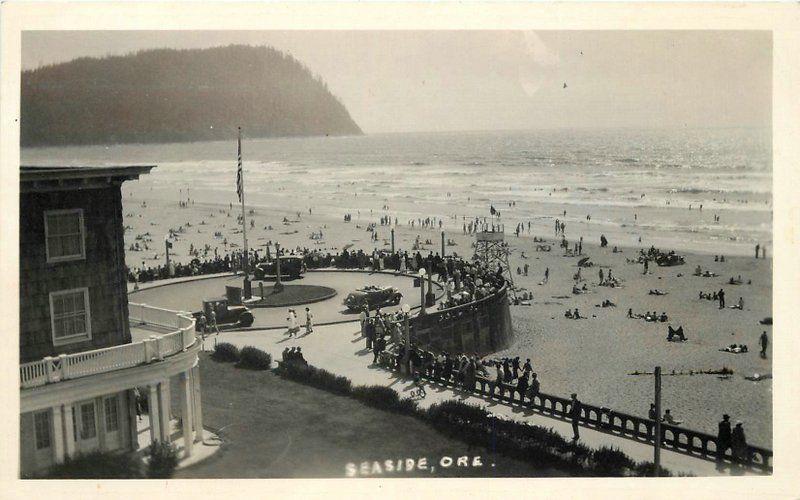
(388, 254)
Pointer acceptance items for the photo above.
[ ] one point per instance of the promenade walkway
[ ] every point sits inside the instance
(341, 350)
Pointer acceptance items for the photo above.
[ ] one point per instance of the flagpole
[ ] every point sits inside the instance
(244, 220)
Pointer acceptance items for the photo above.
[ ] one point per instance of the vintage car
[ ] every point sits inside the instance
(228, 316)
(291, 267)
(372, 297)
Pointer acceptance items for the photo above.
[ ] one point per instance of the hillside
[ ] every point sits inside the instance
(168, 95)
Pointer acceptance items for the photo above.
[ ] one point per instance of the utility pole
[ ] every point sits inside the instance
(443, 244)
(657, 448)
(407, 334)
(392, 240)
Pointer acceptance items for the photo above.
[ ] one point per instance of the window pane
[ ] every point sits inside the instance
(42, 428)
(64, 235)
(88, 430)
(112, 418)
(70, 314)
(71, 245)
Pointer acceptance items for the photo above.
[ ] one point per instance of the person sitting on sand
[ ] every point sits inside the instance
(739, 305)
(576, 314)
(698, 271)
(657, 292)
(663, 317)
(630, 313)
(576, 290)
(568, 314)
(672, 333)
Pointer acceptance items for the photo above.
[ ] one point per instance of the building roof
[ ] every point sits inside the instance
(53, 178)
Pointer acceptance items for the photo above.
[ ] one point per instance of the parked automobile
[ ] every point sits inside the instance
(291, 267)
(372, 297)
(227, 315)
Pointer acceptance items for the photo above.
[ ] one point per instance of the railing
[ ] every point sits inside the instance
(483, 325)
(679, 439)
(87, 363)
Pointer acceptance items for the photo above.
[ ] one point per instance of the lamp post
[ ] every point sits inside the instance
(430, 297)
(407, 339)
(443, 243)
(278, 284)
(422, 290)
(392, 240)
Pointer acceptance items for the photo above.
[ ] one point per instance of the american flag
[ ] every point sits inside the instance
(239, 176)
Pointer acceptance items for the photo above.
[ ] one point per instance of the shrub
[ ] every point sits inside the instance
(225, 352)
(377, 396)
(162, 460)
(409, 406)
(98, 465)
(254, 358)
(609, 461)
(647, 469)
(331, 382)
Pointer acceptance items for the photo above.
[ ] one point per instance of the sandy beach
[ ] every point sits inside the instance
(592, 356)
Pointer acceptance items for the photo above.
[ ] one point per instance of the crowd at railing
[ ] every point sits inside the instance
(507, 381)
(450, 267)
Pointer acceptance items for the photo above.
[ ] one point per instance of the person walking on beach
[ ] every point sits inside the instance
(575, 415)
(721, 297)
(764, 341)
(758, 247)
(646, 264)
(546, 274)
(309, 321)
(723, 437)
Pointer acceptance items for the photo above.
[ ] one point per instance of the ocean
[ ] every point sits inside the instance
(647, 184)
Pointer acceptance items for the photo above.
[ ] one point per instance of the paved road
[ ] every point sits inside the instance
(187, 296)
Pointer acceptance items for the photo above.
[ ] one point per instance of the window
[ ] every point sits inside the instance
(88, 429)
(41, 425)
(112, 416)
(69, 315)
(64, 239)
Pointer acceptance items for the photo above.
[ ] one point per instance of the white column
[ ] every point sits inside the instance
(163, 409)
(133, 421)
(187, 402)
(152, 410)
(198, 409)
(58, 434)
(69, 432)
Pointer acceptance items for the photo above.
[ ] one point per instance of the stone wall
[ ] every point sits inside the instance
(483, 326)
(102, 271)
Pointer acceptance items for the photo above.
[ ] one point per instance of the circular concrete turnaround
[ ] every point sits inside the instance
(291, 295)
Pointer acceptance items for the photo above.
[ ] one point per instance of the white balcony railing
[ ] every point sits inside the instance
(86, 363)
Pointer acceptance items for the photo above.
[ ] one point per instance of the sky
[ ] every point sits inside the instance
(417, 81)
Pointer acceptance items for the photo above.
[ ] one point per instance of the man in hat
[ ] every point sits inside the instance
(723, 437)
(575, 415)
